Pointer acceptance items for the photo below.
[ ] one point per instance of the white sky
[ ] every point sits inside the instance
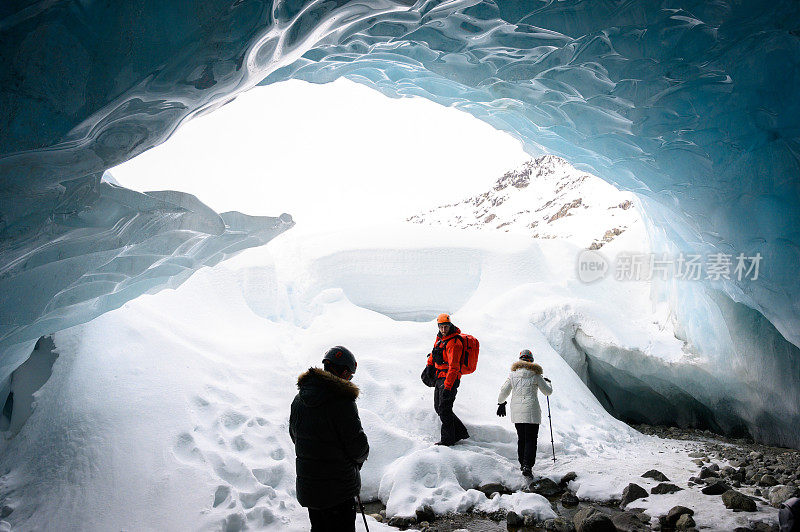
(332, 155)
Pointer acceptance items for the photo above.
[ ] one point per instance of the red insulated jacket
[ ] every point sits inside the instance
(446, 357)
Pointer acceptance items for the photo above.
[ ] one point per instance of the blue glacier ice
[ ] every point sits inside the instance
(693, 105)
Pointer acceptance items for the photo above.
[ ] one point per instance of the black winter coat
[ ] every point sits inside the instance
(329, 442)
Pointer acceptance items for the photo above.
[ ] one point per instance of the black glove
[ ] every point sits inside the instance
(501, 409)
(545, 378)
(448, 396)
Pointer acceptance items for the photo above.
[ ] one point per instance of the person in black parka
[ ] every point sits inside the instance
(330, 444)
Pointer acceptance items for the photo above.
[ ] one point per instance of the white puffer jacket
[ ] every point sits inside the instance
(525, 380)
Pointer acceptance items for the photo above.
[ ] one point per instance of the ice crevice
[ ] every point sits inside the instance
(692, 105)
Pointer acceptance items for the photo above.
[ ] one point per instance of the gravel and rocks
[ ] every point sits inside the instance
(754, 468)
(743, 473)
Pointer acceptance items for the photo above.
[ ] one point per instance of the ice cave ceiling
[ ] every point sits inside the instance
(693, 104)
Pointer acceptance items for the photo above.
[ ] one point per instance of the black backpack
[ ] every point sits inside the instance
(429, 376)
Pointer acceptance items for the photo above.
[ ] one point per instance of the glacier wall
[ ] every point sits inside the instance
(693, 105)
(91, 246)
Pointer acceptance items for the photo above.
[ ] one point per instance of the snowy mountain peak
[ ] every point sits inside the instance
(548, 198)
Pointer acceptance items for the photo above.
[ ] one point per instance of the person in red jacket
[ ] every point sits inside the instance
(446, 358)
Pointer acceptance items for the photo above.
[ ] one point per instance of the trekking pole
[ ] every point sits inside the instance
(361, 506)
(553, 445)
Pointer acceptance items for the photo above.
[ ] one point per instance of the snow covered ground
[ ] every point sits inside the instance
(171, 413)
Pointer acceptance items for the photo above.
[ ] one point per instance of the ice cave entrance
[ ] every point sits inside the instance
(340, 155)
(331, 155)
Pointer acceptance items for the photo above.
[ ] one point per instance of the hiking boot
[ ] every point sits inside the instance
(446, 444)
(526, 472)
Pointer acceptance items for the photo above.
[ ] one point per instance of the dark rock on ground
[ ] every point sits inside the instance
(401, 522)
(514, 519)
(494, 487)
(629, 522)
(425, 514)
(780, 494)
(665, 487)
(569, 500)
(684, 522)
(705, 472)
(569, 477)
(559, 524)
(669, 520)
(631, 493)
(716, 488)
(734, 500)
(546, 487)
(767, 480)
(656, 475)
(590, 519)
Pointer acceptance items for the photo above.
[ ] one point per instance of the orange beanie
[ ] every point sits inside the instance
(443, 318)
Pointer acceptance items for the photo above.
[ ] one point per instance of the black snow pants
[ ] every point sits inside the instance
(527, 434)
(339, 518)
(452, 427)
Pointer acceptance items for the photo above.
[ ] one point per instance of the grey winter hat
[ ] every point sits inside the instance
(526, 355)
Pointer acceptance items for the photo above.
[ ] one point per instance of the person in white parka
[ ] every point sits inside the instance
(525, 381)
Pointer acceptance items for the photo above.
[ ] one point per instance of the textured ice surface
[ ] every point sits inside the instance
(693, 105)
(91, 246)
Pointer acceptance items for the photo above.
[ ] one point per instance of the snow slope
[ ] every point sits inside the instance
(172, 412)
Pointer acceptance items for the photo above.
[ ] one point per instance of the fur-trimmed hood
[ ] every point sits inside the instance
(319, 378)
(522, 364)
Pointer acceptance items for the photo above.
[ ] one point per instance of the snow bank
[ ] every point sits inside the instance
(172, 412)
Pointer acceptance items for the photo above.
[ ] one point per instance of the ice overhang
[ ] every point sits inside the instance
(693, 105)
